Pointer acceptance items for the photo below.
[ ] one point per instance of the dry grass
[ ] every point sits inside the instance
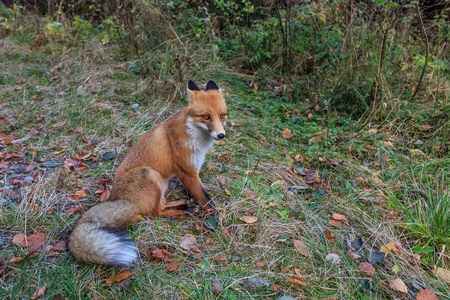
(99, 94)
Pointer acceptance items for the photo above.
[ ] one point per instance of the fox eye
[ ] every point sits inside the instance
(205, 117)
(222, 116)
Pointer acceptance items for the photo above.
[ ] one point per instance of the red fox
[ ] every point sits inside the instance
(176, 147)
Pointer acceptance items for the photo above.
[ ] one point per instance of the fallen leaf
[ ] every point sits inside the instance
(161, 255)
(297, 272)
(275, 287)
(426, 294)
(13, 154)
(119, 277)
(425, 127)
(248, 219)
(335, 223)
(392, 214)
(3, 121)
(73, 210)
(398, 285)
(339, 217)
(220, 257)
(296, 280)
(36, 240)
(188, 242)
(413, 259)
(396, 249)
(330, 236)
(443, 274)
(301, 247)
(105, 195)
(20, 240)
(317, 138)
(367, 268)
(39, 293)
(260, 264)
(388, 247)
(173, 267)
(80, 129)
(59, 124)
(287, 134)
(83, 139)
(15, 260)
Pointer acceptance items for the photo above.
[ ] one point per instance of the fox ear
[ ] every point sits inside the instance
(211, 85)
(192, 86)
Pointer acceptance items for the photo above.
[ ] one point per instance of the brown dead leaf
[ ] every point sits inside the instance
(161, 255)
(36, 240)
(119, 277)
(396, 249)
(317, 138)
(260, 264)
(249, 219)
(339, 217)
(301, 247)
(287, 134)
(296, 280)
(15, 260)
(275, 287)
(367, 268)
(288, 156)
(398, 285)
(39, 293)
(300, 158)
(83, 139)
(335, 223)
(392, 214)
(220, 257)
(173, 267)
(20, 240)
(13, 154)
(105, 195)
(330, 236)
(188, 242)
(73, 210)
(3, 121)
(426, 294)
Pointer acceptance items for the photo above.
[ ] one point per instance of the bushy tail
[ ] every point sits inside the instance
(97, 237)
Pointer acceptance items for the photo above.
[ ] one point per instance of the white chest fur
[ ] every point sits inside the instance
(200, 143)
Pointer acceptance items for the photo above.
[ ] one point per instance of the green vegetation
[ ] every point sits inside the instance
(335, 107)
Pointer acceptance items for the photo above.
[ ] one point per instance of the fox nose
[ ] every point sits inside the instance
(221, 135)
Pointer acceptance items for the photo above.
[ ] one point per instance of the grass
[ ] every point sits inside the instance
(252, 173)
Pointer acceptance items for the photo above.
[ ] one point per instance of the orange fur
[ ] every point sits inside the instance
(174, 148)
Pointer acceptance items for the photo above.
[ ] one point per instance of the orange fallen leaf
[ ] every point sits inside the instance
(339, 217)
(388, 247)
(173, 267)
(260, 264)
(335, 223)
(275, 287)
(161, 255)
(105, 195)
(287, 134)
(330, 236)
(392, 214)
(119, 277)
(296, 280)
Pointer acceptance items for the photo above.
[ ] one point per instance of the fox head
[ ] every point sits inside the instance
(207, 110)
